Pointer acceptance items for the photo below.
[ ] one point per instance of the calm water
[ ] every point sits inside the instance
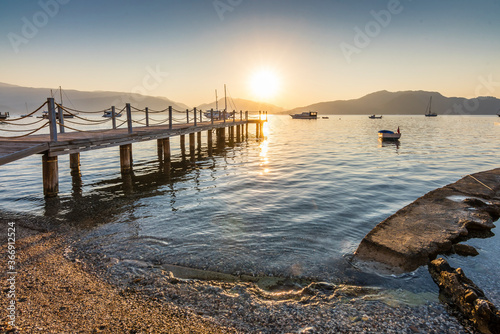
(295, 204)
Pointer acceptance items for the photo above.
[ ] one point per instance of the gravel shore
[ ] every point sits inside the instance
(60, 289)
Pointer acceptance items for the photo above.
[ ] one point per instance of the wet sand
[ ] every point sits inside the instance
(61, 290)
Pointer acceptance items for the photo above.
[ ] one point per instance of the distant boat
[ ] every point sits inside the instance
(4, 115)
(219, 114)
(324, 117)
(306, 115)
(428, 113)
(389, 135)
(374, 117)
(45, 114)
(110, 114)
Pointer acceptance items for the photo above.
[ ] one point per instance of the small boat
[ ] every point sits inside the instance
(389, 135)
(374, 117)
(325, 117)
(45, 114)
(428, 113)
(110, 114)
(306, 115)
(4, 115)
(217, 114)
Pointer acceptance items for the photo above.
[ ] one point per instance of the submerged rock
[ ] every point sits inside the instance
(431, 225)
(462, 294)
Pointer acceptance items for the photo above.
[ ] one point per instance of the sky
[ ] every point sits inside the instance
(288, 53)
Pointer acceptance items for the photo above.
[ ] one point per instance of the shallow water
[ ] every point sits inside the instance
(294, 204)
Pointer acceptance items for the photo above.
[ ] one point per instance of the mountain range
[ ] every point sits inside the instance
(20, 100)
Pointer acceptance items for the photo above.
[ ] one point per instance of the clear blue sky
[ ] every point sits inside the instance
(315, 50)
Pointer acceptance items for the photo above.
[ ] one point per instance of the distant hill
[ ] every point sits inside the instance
(241, 104)
(15, 98)
(405, 103)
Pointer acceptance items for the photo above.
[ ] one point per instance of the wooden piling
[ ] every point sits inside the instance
(50, 171)
(126, 158)
(166, 149)
(182, 140)
(191, 145)
(198, 140)
(238, 137)
(209, 142)
(74, 164)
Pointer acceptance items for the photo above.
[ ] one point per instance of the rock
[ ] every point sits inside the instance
(462, 294)
(465, 250)
(431, 225)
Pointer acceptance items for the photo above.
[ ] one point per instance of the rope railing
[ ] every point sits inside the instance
(25, 116)
(61, 117)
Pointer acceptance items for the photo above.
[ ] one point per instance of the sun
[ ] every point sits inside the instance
(265, 84)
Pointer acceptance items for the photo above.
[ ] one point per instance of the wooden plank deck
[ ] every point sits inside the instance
(73, 142)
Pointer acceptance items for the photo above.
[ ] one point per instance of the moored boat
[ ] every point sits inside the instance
(428, 113)
(375, 117)
(108, 113)
(306, 115)
(389, 135)
(4, 115)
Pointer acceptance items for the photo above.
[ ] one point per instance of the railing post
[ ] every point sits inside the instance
(147, 116)
(194, 116)
(201, 114)
(212, 115)
(241, 115)
(129, 118)
(187, 115)
(113, 117)
(224, 115)
(52, 119)
(246, 115)
(234, 116)
(170, 117)
(61, 119)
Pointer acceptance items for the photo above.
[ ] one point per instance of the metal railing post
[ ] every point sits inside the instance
(170, 117)
(212, 115)
(113, 117)
(61, 119)
(147, 116)
(129, 118)
(194, 116)
(187, 115)
(52, 119)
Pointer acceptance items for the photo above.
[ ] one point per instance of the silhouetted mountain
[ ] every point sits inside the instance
(244, 105)
(16, 99)
(405, 103)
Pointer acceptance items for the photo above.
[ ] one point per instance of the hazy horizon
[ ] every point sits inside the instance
(289, 54)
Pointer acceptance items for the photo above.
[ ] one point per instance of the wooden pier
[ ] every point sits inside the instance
(60, 142)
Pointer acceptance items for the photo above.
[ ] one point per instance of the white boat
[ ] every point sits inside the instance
(4, 115)
(428, 113)
(306, 115)
(110, 114)
(389, 135)
(217, 114)
(45, 114)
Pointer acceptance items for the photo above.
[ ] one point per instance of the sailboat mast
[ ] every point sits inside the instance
(216, 101)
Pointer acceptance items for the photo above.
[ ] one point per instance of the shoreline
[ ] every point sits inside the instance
(58, 289)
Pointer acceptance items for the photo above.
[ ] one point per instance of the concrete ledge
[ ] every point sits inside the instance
(433, 223)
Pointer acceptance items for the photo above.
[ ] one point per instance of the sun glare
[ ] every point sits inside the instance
(265, 84)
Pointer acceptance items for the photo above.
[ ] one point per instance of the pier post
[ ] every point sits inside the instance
(61, 119)
(113, 117)
(234, 116)
(257, 130)
(159, 150)
(166, 150)
(129, 118)
(209, 142)
(147, 116)
(238, 133)
(212, 115)
(195, 116)
(126, 158)
(183, 145)
(50, 171)
(201, 116)
(52, 119)
(191, 145)
(170, 117)
(198, 140)
(187, 116)
(261, 127)
(74, 164)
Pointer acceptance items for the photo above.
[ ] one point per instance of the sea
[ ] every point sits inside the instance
(295, 203)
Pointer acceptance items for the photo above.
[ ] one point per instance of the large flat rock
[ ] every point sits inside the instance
(433, 223)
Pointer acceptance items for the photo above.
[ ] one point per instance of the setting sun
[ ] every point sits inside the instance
(265, 84)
